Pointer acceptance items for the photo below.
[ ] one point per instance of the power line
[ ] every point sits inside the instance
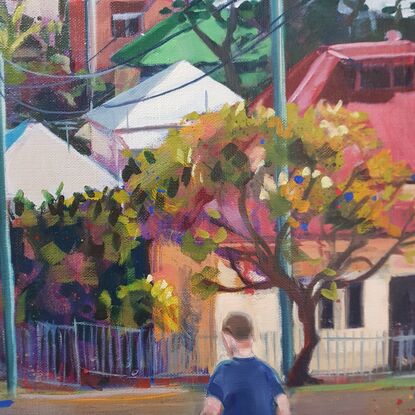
(41, 110)
(259, 38)
(113, 68)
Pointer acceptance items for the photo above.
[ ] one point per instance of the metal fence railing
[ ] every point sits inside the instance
(45, 353)
(57, 353)
(131, 352)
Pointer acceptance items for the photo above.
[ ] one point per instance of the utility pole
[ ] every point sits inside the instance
(280, 107)
(6, 268)
(90, 44)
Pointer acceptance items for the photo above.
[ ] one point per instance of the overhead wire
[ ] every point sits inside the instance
(259, 38)
(66, 78)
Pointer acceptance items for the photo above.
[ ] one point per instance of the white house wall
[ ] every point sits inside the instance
(355, 350)
(263, 308)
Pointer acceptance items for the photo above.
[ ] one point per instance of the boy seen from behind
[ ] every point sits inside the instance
(243, 385)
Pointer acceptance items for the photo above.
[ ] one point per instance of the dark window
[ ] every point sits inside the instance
(354, 305)
(326, 314)
(375, 77)
(403, 76)
(126, 24)
(349, 75)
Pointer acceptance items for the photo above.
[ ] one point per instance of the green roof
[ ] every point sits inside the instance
(180, 42)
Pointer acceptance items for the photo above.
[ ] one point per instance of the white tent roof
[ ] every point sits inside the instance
(201, 95)
(39, 160)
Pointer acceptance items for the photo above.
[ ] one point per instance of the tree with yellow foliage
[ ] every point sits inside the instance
(211, 187)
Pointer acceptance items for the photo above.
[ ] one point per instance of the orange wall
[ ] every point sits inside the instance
(106, 44)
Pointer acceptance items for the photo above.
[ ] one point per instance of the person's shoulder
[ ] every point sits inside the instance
(267, 368)
(223, 365)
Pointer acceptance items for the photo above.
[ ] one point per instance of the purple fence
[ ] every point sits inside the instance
(57, 354)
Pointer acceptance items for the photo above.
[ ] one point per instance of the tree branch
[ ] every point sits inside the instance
(232, 25)
(229, 228)
(254, 286)
(376, 267)
(256, 238)
(379, 264)
(337, 262)
(354, 260)
(238, 271)
(279, 240)
(216, 13)
(211, 44)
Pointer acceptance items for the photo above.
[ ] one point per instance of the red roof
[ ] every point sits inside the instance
(328, 73)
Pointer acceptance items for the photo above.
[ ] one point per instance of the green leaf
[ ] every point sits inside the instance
(13, 76)
(217, 173)
(213, 213)
(197, 251)
(220, 236)
(239, 159)
(59, 190)
(186, 175)
(165, 10)
(48, 197)
(204, 290)
(201, 282)
(52, 254)
(21, 308)
(178, 4)
(149, 156)
(330, 293)
(105, 298)
(278, 205)
(28, 218)
(201, 233)
(98, 85)
(172, 187)
(293, 253)
(229, 150)
(276, 153)
(330, 272)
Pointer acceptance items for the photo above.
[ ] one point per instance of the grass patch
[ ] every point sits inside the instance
(381, 384)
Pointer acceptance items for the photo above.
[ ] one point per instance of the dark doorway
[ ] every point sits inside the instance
(402, 303)
(402, 323)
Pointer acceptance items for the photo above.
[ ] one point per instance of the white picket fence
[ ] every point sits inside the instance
(361, 353)
(351, 354)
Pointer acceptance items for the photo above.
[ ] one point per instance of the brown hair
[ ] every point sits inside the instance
(238, 325)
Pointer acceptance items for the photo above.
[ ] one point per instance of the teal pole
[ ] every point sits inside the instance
(6, 268)
(280, 107)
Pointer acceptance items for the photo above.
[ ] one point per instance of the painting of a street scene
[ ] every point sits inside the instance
(207, 207)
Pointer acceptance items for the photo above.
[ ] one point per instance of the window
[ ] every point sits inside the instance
(375, 77)
(126, 24)
(403, 76)
(354, 308)
(326, 314)
(386, 76)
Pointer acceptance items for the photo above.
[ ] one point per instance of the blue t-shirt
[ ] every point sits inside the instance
(245, 386)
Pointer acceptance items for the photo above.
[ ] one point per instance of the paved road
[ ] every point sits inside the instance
(390, 402)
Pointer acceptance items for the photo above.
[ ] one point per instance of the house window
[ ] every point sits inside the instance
(386, 76)
(375, 77)
(354, 309)
(403, 76)
(127, 24)
(326, 314)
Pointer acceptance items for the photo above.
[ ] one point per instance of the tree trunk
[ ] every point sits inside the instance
(299, 373)
(231, 75)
